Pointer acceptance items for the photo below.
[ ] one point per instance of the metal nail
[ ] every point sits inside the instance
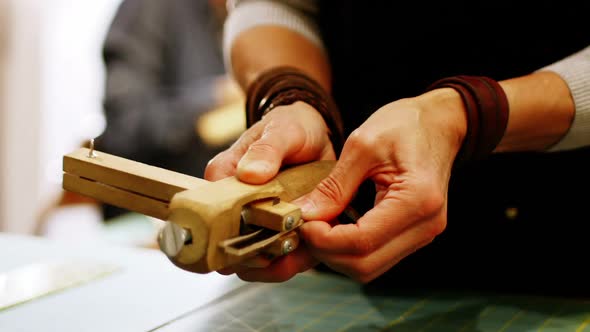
(92, 153)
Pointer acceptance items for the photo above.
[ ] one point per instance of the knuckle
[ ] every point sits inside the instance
(437, 226)
(363, 245)
(331, 189)
(431, 200)
(359, 140)
(262, 147)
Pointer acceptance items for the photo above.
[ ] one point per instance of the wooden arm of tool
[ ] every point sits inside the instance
(210, 225)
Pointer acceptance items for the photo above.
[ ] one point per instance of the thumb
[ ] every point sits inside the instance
(332, 195)
(264, 157)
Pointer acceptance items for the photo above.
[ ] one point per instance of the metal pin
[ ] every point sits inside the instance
(91, 153)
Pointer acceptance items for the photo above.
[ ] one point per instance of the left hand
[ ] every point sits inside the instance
(407, 148)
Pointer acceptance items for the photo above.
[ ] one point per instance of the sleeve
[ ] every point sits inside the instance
(296, 15)
(575, 70)
(147, 116)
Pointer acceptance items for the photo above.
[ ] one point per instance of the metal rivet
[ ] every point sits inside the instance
(287, 247)
(289, 223)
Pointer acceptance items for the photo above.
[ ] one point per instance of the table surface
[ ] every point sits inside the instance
(150, 294)
(332, 303)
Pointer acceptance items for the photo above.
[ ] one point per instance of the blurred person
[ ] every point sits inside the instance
(461, 131)
(168, 101)
(164, 70)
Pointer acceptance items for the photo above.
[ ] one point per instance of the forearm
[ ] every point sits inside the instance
(266, 34)
(265, 47)
(541, 112)
(550, 109)
(575, 71)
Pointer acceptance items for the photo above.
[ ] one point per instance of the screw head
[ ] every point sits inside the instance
(172, 238)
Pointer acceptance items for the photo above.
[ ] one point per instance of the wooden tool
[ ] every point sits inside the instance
(210, 225)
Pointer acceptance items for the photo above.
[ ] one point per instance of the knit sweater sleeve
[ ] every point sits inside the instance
(296, 15)
(575, 71)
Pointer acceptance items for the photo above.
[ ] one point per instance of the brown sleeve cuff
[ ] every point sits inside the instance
(487, 113)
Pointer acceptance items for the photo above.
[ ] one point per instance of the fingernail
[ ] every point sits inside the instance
(305, 205)
(256, 166)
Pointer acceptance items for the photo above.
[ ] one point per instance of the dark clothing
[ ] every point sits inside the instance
(161, 60)
(402, 47)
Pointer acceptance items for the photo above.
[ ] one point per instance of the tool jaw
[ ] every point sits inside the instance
(211, 217)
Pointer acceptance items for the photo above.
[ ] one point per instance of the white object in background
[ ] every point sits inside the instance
(148, 292)
(74, 223)
(39, 279)
(20, 114)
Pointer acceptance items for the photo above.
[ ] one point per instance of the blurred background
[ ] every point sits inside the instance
(118, 71)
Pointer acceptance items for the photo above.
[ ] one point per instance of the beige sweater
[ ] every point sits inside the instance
(292, 14)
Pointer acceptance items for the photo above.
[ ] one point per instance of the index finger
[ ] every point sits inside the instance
(378, 226)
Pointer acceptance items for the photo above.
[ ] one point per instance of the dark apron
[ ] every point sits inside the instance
(385, 50)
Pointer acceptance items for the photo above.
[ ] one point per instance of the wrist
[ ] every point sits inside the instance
(486, 109)
(286, 85)
(446, 110)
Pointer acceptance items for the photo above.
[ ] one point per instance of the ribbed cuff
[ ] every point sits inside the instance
(575, 70)
(248, 14)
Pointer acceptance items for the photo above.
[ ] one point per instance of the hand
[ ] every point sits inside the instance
(407, 148)
(290, 134)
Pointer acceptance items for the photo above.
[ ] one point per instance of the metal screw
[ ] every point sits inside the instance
(287, 247)
(172, 238)
(289, 223)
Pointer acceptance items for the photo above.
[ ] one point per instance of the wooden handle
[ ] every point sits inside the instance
(210, 211)
(129, 175)
(124, 183)
(212, 215)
